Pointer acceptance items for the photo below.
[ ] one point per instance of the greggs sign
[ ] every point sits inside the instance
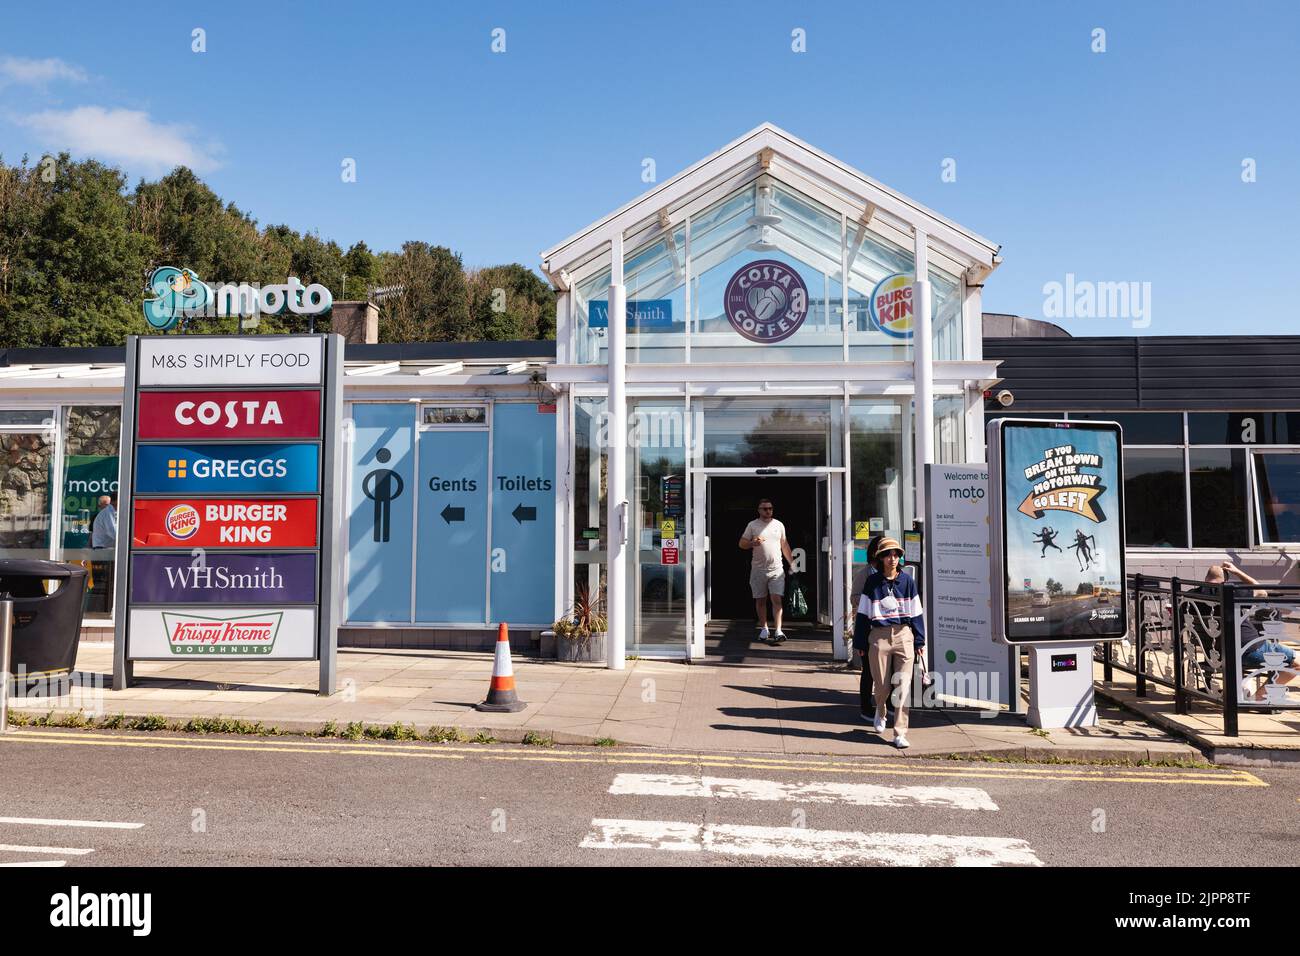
(224, 523)
(230, 414)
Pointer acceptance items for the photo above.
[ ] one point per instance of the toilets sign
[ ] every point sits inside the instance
(231, 474)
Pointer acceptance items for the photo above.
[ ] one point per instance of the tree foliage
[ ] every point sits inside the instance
(77, 246)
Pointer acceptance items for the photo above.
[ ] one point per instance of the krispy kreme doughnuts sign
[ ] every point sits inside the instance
(766, 301)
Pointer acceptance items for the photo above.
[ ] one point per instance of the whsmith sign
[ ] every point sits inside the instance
(229, 445)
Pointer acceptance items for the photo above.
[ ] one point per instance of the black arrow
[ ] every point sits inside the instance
(450, 514)
(522, 514)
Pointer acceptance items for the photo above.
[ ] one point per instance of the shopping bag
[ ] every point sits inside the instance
(795, 602)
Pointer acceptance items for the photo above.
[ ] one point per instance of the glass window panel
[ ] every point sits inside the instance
(760, 433)
(1218, 480)
(25, 460)
(1243, 428)
(1155, 495)
(657, 465)
(26, 416)
(950, 429)
(90, 500)
(1277, 479)
(879, 464)
(1142, 428)
(475, 415)
(590, 477)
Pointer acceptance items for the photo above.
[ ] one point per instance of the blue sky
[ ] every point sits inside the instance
(1122, 166)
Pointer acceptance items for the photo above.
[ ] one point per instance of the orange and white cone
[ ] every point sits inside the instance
(501, 698)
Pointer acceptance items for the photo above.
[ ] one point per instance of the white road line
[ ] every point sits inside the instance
(16, 848)
(861, 794)
(38, 863)
(813, 846)
(41, 822)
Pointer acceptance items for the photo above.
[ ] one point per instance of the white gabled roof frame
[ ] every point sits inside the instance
(792, 162)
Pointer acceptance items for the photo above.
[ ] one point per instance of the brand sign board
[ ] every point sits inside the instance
(224, 523)
(766, 301)
(229, 479)
(208, 633)
(229, 414)
(642, 315)
(968, 664)
(1057, 510)
(891, 307)
(254, 360)
(254, 469)
(223, 578)
(180, 293)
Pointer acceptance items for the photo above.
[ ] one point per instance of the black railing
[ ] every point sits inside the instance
(1222, 644)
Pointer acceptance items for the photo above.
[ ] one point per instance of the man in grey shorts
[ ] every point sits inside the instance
(765, 537)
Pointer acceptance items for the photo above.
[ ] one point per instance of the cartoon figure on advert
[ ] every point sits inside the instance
(1081, 549)
(1047, 538)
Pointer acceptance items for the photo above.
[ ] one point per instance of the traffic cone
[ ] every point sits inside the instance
(501, 698)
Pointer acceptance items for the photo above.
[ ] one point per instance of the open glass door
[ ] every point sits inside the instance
(830, 535)
(699, 527)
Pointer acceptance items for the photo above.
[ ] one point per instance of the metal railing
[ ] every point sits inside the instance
(1179, 639)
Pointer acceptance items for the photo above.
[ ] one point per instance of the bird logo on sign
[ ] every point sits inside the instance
(177, 293)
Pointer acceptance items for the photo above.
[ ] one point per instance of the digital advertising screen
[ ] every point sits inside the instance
(1060, 513)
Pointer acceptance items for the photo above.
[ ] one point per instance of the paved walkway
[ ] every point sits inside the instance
(1263, 739)
(796, 707)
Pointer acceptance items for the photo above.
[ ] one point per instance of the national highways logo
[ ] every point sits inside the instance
(242, 634)
(766, 301)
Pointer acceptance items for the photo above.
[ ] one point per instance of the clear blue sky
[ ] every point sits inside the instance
(1119, 166)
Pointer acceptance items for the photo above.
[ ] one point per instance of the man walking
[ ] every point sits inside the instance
(765, 538)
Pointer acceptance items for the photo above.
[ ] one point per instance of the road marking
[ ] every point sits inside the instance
(43, 822)
(861, 794)
(38, 863)
(433, 751)
(15, 848)
(805, 845)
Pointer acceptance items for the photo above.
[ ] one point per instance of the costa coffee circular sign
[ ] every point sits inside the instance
(766, 301)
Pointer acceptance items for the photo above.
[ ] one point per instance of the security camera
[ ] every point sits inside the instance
(1005, 398)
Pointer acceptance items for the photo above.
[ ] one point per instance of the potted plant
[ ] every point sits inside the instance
(580, 634)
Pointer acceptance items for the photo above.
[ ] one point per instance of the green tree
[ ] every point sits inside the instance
(510, 302)
(429, 297)
(361, 269)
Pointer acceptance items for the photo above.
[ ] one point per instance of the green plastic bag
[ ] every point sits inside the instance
(795, 602)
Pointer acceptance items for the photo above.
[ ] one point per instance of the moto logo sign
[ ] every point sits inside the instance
(222, 414)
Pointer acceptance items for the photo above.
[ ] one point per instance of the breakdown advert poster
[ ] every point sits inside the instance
(1063, 531)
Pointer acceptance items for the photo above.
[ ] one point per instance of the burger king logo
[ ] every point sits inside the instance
(766, 301)
(892, 307)
(182, 522)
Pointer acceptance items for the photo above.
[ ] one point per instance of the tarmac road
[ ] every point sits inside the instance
(177, 800)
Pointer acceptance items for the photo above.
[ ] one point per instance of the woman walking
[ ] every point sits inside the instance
(888, 633)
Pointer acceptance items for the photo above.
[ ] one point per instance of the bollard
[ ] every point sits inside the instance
(6, 658)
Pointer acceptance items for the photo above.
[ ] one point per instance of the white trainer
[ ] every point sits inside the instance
(901, 742)
(878, 725)
(765, 635)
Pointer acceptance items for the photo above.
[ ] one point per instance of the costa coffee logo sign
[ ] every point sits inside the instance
(225, 523)
(279, 414)
(766, 301)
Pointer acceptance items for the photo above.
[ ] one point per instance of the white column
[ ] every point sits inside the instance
(617, 517)
(922, 370)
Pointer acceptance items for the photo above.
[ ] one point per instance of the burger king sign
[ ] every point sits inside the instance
(182, 521)
(892, 307)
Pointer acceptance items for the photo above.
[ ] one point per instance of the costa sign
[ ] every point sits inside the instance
(766, 301)
(224, 523)
(278, 414)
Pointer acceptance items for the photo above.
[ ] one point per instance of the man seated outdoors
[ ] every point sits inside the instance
(1253, 637)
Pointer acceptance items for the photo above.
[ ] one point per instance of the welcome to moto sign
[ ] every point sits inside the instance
(230, 473)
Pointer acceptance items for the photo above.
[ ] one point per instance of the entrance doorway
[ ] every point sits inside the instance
(725, 614)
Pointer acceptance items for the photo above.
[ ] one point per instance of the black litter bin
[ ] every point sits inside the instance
(47, 600)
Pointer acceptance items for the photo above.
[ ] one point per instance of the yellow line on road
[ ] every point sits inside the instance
(1059, 772)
